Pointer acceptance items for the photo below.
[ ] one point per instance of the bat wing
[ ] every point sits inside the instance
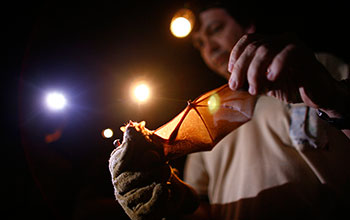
(206, 120)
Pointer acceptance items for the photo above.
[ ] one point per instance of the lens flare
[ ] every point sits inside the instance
(56, 101)
(182, 23)
(213, 103)
(141, 92)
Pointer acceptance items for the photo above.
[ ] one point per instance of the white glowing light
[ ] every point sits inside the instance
(180, 27)
(56, 101)
(214, 103)
(107, 133)
(141, 92)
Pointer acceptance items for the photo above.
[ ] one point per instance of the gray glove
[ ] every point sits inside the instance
(144, 183)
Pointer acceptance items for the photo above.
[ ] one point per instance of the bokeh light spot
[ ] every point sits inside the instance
(180, 27)
(107, 133)
(141, 92)
(56, 101)
(214, 103)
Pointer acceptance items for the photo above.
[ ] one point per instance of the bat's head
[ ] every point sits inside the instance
(138, 151)
(135, 131)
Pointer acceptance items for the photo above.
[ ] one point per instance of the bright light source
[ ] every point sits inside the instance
(56, 101)
(141, 92)
(180, 27)
(107, 133)
(182, 23)
(214, 103)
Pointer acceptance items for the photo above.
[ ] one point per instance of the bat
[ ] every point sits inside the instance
(205, 121)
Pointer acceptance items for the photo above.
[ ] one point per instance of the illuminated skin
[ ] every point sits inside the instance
(215, 38)
(283, 67)
(262, 62)
(279, 66)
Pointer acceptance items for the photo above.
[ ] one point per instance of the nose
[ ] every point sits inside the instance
(211, 46)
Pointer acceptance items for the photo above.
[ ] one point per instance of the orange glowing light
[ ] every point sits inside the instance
(141, 92)
(182, 23)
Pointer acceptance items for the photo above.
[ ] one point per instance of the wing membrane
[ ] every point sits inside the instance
(207, 120)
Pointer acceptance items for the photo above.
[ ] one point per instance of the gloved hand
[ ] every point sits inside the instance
(144, 183)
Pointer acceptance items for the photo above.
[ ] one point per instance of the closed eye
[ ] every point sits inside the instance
(214, 28)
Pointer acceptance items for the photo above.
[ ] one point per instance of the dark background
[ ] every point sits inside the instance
(93, 52)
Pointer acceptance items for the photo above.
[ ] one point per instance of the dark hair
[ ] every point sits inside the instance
(243, 11)
(247, 12)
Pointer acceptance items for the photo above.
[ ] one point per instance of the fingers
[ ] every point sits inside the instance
(285, 88)
(238, 76)
(258, 68)
(249, 61)
(260, 62)
(240, 56)
(281, 61)
(239, 48)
